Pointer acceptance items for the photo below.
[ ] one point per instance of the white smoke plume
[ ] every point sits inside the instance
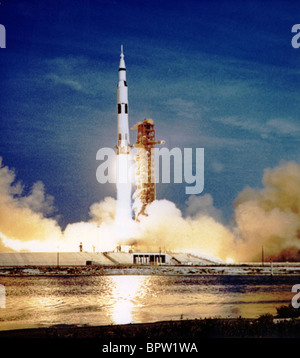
(268, 217)
(22, 217)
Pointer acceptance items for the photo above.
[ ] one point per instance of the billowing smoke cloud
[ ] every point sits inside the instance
(98, 234)
(166, 229)
(268, 217)
(198, 206)
(24, 217)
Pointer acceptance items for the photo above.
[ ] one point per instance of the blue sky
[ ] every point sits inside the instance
(218, 75)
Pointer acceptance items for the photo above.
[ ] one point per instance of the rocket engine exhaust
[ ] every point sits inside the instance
(123, 209)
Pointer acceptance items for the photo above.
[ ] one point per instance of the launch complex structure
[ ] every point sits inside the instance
(145, 142)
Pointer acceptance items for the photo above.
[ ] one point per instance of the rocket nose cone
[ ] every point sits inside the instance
(122, 62)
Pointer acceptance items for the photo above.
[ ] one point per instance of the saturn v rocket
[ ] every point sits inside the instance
(123, 209)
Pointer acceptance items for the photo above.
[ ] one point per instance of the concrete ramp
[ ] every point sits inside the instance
(122, 258)
(52, 258)
(190, 259)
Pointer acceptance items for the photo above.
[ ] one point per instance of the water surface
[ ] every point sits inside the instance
(98, 300)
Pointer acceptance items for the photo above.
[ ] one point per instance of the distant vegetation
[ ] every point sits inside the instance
(288, 312)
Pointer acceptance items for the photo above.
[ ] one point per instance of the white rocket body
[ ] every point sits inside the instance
(123, 210)
(123, 146)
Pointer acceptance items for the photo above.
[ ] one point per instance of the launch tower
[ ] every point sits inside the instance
(145, 166)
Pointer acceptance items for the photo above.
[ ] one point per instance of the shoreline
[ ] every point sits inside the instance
(265, 326)
(277, 269)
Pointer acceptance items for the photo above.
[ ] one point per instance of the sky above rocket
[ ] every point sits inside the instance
(218, 75)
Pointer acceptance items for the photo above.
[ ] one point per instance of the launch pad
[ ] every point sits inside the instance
(100, 258)
(120, 263)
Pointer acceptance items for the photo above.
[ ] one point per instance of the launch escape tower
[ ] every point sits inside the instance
(145, 166)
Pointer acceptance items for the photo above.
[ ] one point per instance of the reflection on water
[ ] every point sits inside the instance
(98, 300)
(125, 296)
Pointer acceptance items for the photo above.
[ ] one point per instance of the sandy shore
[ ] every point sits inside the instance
(242, 269)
